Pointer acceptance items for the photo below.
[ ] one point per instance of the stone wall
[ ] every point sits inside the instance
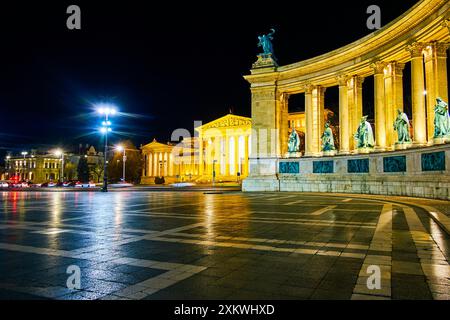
(418, 172)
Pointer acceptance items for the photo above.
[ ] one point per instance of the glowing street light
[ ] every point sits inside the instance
(106, 110)
(120, 148)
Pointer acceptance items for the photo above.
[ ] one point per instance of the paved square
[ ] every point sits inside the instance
(192, 245)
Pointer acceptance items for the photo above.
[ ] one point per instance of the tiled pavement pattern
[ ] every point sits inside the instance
(167, 245)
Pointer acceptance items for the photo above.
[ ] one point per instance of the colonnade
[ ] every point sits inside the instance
(428, 81)
(226, 155)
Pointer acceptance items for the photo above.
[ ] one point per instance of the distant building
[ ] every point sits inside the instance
(34, 167)
(40, 167)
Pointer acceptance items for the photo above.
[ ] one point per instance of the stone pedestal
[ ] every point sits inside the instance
(364, 150)
(329, 153)
(403, 146)
(441, 140)
(291, 155)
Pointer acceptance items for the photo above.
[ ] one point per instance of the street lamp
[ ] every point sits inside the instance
(60, 153)
(214, 173)
(120, 148)
(106, 110)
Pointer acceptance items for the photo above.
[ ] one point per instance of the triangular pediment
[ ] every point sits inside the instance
(156, 145)
(228, 121)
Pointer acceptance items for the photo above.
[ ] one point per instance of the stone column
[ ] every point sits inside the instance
(217, 155)
(393, 86)
(246, 153)
(380, 121)
(354, 86)
(171, 164)
(283, 125)
(436, 79)
(344, 133)
(309, 121)
(317, 119)
(227, 155)
(149, 164)
(200, 155)
(417, 93)
(236, 155)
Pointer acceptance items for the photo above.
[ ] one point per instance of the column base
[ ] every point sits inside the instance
(403, 146)
(364, 150)
(313, 154)
(290, 155)
(344, 152)
(329, 153)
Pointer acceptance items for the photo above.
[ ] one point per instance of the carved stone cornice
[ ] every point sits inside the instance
(416, 49)
(378, 66)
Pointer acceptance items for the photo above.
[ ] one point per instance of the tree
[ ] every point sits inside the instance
(70, 171)
(133, 164)
(96, 172)
(83, 170)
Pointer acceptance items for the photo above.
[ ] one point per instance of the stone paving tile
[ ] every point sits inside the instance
(251, 246)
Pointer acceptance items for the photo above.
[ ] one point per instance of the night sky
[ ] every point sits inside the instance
(163, 64)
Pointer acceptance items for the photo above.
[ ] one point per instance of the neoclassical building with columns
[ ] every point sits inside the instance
(420, 37)
(220, 149)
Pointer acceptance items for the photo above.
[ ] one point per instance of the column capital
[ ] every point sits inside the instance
(416, 49)
(356, 81)
(378, 66)
(309, 88)
(436, 47)
(342, 80)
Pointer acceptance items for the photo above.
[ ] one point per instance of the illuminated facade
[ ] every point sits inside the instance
(420, 37)
(221, 146)
(35, 168)
(224, 146)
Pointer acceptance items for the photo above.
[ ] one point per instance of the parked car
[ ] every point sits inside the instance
(52, 184)
(4, 184)
(44, 185)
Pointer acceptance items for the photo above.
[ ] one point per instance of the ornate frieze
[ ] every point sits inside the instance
(289, 167)
(323, 167)
(394, 164)
(434, 161)
(358, 166)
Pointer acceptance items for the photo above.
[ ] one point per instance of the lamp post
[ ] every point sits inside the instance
(24, 153)
(214, 173)
(106, 111)
(124, 159)
(60, 153)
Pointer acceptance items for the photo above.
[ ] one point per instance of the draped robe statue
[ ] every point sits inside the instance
(364, 134)
(328, 139)
(441, 119)
(294, 142)
(402, 125)
(265, 41)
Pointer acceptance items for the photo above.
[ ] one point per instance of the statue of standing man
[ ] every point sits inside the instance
(364, 135)
(402, 125)
(328, 140)
(293, 144)
(441, 119)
